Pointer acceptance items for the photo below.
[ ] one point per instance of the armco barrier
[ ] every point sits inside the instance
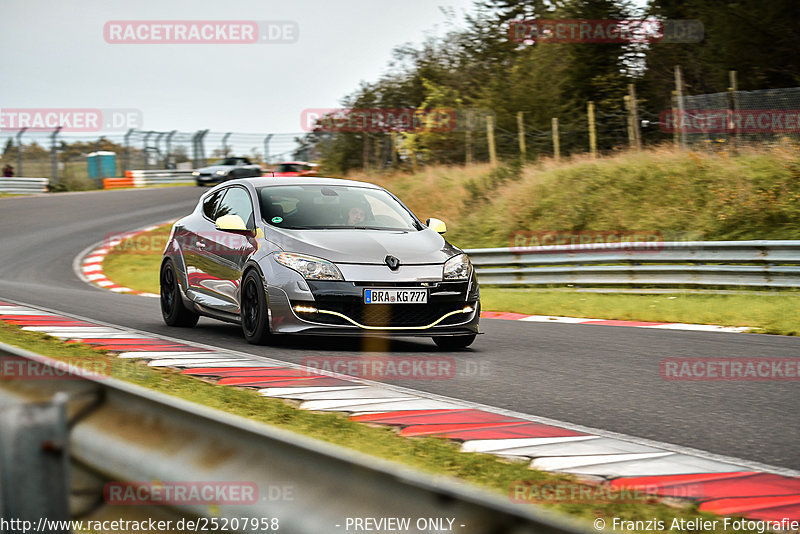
(129, 433)
(144, 178)
(24, 185)
(676, 263)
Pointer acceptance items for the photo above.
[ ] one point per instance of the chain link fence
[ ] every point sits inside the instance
(75, 162)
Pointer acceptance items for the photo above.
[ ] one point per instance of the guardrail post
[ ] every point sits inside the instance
(34, 465)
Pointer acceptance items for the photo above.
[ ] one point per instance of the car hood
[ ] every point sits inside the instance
(367, 246)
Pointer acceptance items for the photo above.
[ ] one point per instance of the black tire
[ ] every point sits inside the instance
(454, 342)
(172, 307)
(253, 309)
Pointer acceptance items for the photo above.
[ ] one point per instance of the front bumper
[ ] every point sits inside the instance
(453, 308)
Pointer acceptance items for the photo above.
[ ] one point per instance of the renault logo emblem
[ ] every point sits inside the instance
(392, 262)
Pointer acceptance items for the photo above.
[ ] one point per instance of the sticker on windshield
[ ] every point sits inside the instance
(277, 220)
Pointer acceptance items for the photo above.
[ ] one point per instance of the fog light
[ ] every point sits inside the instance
(305, 309)
(468, 309)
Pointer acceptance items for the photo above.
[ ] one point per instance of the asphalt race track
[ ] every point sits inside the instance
(604, 377)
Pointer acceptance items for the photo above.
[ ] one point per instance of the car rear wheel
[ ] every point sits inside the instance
(454, 342)
(253, 309)
(172, 307)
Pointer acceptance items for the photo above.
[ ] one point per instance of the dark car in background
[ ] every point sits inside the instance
(226, 169)
(317, 256)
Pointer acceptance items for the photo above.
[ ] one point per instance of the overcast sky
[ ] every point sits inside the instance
(54, 55)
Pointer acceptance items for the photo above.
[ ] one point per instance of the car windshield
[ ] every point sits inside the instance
(230, 161)
(329, 207)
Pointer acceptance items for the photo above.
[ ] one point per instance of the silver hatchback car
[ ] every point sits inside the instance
(317, 256)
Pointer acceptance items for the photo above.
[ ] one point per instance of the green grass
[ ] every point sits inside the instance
(135, 262)
(771, 313)
(435, 456)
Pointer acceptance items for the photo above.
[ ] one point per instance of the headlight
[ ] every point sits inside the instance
(221, 172)
(457, 268)
(195, 173)
(309, 267)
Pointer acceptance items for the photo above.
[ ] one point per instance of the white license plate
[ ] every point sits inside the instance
(395, 296)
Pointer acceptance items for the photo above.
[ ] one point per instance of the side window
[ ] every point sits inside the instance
(236, 202)
(210, 205)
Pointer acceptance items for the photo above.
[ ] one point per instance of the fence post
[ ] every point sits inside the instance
(629, 121)
(145, 146)
(266, 148)
(556, 141)
(468, 135)
(679, 98)
(521, 133)
(98, 169)
(734, 108)
(634, 117)
(225, 147)
(126, 158)
(366, 152)
(378, 152)
(592, 132)
(168, 143)
(490, 136)
(19, 152)
(54, 155)
(158, 145)
(676, 120)
(393, 141)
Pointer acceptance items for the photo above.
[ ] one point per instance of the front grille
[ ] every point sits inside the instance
(385, 314)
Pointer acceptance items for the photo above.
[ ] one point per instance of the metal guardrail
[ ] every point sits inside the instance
(676, 263)
(129, 433)
(145, 178)
(155, 177)
(24, 185)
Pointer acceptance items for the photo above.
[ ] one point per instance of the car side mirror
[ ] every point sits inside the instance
(436, 225)
(234, 224)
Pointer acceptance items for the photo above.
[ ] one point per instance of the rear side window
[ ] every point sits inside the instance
(210, 205)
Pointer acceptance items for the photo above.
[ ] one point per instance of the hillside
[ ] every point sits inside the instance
(689, 195)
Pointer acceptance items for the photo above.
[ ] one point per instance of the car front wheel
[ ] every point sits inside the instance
(454, 342)
(253, 309)
(173, 310)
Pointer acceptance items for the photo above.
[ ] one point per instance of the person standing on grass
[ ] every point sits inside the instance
(8, 171)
